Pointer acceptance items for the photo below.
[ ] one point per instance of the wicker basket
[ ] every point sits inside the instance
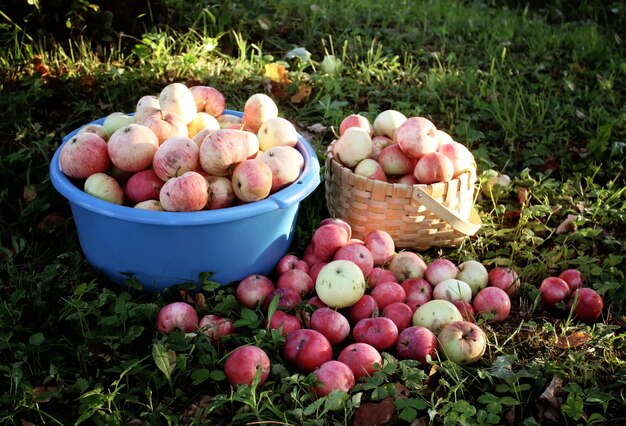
(416, 216)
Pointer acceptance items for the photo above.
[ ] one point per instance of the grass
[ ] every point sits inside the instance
(536, 92)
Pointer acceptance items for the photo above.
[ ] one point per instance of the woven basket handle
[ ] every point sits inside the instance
(465, 227)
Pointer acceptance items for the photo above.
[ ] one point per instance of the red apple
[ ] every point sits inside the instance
(333, 375)
(493, 302)
(380, 332)
(288, 322)
(291, 261)
(131, 148)
(221, 193)
(315, 269)
(466, 309)
(418, 343)
(288, 298)
(589, 304)
(573, 277)
(185, 193)
(209, 100)
(356, 120)
(440, 270)
(327, 239)
(417, 136)
(143, 185)
(331, 324)
(395, 162)
(253, 290)
(504, 278)
(359, 254)
(244, 363)
(362, 358)
(553, 290)
(84, 155)
(418, 291)
(365, 307)
(387, 293)
(296, 279)
(433, 167)
(252, 180)
(307, 349)
(381, 245)
(215, 327)
(379, 275)
(407, 264)
(177, 316)
(400, 313)
(175, 156)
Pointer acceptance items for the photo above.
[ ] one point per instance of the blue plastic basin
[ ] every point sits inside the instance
(163, 249)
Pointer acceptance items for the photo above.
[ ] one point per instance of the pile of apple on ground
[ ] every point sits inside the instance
(344, 301)
(180, 151)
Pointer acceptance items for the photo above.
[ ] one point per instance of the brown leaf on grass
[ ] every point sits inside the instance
(549, 164)
(303, 92)
(374, 414)
(549, 402)
(575, 339)
(200, 300)
(278, 90)
(522, 195)
(40, 67)
(39, 390)
(402, 392)
(566, 225)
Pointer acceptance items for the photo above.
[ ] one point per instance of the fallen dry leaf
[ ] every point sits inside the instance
(575, 339)
(522, 195)
(29, 193)
(301, 94)
(277, 73)
(549, 402)
(566, 225)
(200, 300)
(374, 414)
(50, 222)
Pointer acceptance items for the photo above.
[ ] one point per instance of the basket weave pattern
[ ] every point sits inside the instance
(368, 204)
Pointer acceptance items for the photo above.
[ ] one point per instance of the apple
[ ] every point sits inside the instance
(381, 245)
(588, 304)
(165, 125)
(408, 179)
(418, 291)
(230, 121)
(339, 222)
(245, 363)
(395, 162)
(252, 180)
(121, 176)
(253, 290)
(153, 205)
(370, 169)
(84, 155)
(220, 193)
(434, 167)
(444, 137)
(296, 279)
(284, 322)
(104, 187)
(452, 289)
(352, 147)
(331, 376)
(462, 342)
(177, 98)
(387, 123)
(466, 309)
(115, 121)
(288, 298)
(474, 274)
(380, 332)
(416, 137)
(435, 314)
(209, 100)
(307, 349)
(97, 129)
(493, 303)
(258, 109)
(573, 277)
(215, 327)
(378, 144)
(327, 239)
(553, 290)
(185, 193)
(340, 283)
(332, 324)
(379, 275)
(175, 156)
(317, 302)
(177, 316)
(309, 256)
(199, 137)
(462, 158)
(356, 120)
(223, 149)
(495, 183)
(315, 269)
(440, 270)
(143, 185)
(148, 101)
(407, 264)
(359, 254)
(277, 131)
(417, 343)
(362, 358)
(400, 313)
(291, 261)
(365, 307)
(504, 278)
(202, 121)
(285, 162)
(132, 148)
(387, 293)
